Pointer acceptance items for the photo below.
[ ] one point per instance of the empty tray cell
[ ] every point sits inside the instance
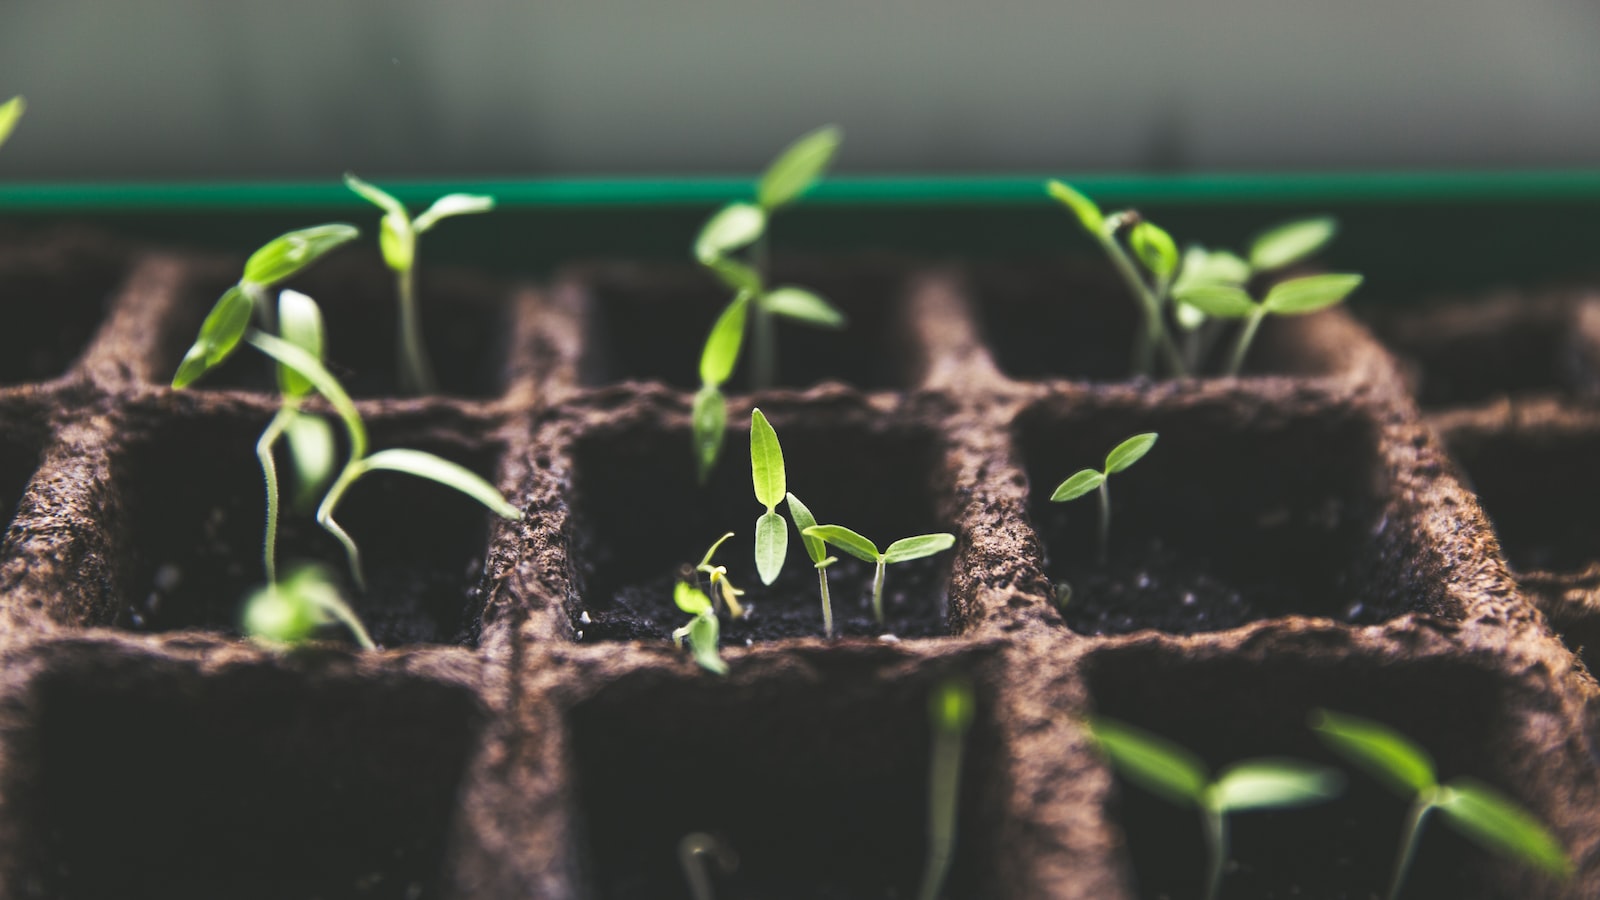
(193, 522)
(139, 779)
(1230, 707)
(53, 293)
(1243, 510)
(819, 784)
(639, 519)
(651, 322)
(466, 325)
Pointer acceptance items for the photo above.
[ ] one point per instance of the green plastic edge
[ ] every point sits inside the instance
(1544, 186)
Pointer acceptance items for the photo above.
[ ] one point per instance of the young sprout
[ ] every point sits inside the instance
(290, 610)
(1121, 457)
(693, 850)
(766, 472)
(717, 579)
(703, 631)
(10, 112)
(1474, 809)
(1294, 297)
(950, 709)
(903, 550)
(1176, 775)
(717, 360)
(817, 549)
(397, 237)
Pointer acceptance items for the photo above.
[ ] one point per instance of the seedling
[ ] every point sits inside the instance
(1294, 297)
(950, 709)
(817, 549)
(766, 472)
(703, 631)
(719, 587)
(1121, 457)
(290, 610)
(693, 851)
(1472, 808)
(10, 112)
(397, 238)
(903, 550)
(1178, 776)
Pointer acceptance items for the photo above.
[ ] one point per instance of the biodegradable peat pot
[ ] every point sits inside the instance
(1298, 538)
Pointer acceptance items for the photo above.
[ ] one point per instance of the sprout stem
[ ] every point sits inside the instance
(1216, 831)
(877, 591)
(1155, 332)
(944, 789)
(827, 604)
(269, 470)
(764, 360)
(1242, 347)
(416, 373)
(1105, 521)
(1409, 837)
(347, 617)
(352, 471)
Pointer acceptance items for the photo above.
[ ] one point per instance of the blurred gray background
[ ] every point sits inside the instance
(310, 88)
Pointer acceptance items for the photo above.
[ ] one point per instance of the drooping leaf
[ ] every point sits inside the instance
(1129, 452)
(710, 424)
(285, 255)
(772, 546)
(312, 453)
(452, 205)
(1089, 215)
(816, 548)
(846, 540)
(1499, 823)
(1309, 294)
(721, 353)
(705, 632)
(1291, 242)
(10, 112)
(951, 706)
(766, 462)
(1274, 784)
(300, 323)
(1077, 485)
(1221, 301)
(1155, 248)
(442, 471)
(1202, 266)
(907, 549)
(798, 167)
(735, 274)
(691, 599)
(804, 306)
(1156, 764)
(328, 386)
(219, 336)
(1386, 754)
(398, 242)
(377, 196)
(735, 226)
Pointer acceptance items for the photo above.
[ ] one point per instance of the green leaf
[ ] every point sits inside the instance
(442, 471)
(704, 634)
(804, 306)
(300, 322)
(772, 546)
(377, 196)
(1188, 317)
(397, 241)
(766, 462)
(721, 352)
(1129, 452)
(287, 254)
(907, 549)
(1309, 294)
(691, 599)
(1274, 784)
(1202, 266)
(10, 112)
(452, 205)
(705, 561)
(1155, 763)
(1222, 301)
(710, 423)
(1079, 484)
(1088, 213)
(326, 385)
(312, 453)
(219, 336)
(1155, 248)
(816, 548)
(1291, 242)
(951, 706)
(1387, 754)
(1497, 822)
(798, 167)
(278, 614)
(735, 274)
(734, 226)
(846, 540)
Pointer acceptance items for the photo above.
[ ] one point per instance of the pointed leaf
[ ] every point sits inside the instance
(798, 167)
(766, 462)
(1497, 822)
(397, 241)
(1155, 248)
(1274, 784)
(1386, 754)
(10, 112)
(1291, 242)
(705, 561)
(1089, 215)
(1309, 294)
(734, 226)
(300, 323)
(691, 599)
(772, 546)
(320, 378)
(704, 635)
(710, 423)
(735, 274)
(1154, 763)
(219, 336)
(721, 352)
(1202, 266)
(1129, 452)
(1076, 486)
(377, 196)
(804, 306)
(313, 454)
(285, 255)
(442, 471)
(846, 540)
(907, 549)
(816, 548)
(1221, 301)
(452, 205)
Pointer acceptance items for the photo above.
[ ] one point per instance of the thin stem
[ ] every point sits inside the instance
(352, 471)
(1242, 346)
(827, 604)
(347, 617)
(1410, 835)
(416, 372)
(877, 592)
(269, 470)
(1155, 332)
(944, 789)
(1216, 831)
(1105, 520)
(764, 359)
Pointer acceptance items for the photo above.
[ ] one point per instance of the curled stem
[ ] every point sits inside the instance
(269, 471)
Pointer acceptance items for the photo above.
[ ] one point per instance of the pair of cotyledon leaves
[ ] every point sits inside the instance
(1121, 457)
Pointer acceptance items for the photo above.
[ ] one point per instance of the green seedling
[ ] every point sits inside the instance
(717, 361)
(1176, 775)
(289, 611)
(1293, 297)
(719, 587)
(766, 472)
(693, 851)
(1472, 808)
(10, 112)
(950, 710)
(903, 550)
(1121, 457)
(703, 631)
(817, 549)
(397, 238)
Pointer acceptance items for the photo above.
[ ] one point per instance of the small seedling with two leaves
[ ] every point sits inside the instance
(703, 631)
(903, 550)
(950, 711)
(695, 850)
(1176, 775)
(1120, 458)
(397, 238)
(1474, 809)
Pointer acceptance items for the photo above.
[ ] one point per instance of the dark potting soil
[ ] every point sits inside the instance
(1539, 487)
(53, 293)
